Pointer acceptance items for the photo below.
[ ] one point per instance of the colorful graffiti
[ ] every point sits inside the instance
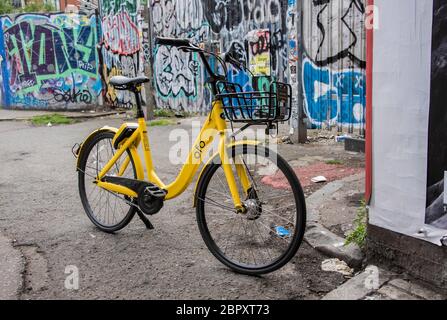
(224, 25)
(333, 74)
(64, 61)
(121, 34)
(293, 58)
(179, 18)
(233, 20)
(179, 79)
(335, 31)
(121, 47)
(49, 61)
(259, 53)
(2, 70)
(334, 97)
(176, 73)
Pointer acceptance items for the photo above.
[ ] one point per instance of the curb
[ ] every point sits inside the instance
(379, 284)
(94, 115)
(360, 286)
(333, 246)
(12, 266)
(323, 240)
(80, 116)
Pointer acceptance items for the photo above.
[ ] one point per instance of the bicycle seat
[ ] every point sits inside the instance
(125, 83)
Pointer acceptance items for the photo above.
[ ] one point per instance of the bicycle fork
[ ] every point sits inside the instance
(230, 177)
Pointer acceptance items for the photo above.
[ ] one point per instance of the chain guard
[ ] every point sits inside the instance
(150, 197)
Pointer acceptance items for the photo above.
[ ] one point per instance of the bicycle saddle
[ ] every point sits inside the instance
(125, 83)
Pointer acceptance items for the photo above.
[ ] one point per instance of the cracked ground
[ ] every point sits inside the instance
(40, 211)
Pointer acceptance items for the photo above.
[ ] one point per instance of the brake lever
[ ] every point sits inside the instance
(229, 59)
(240, 66)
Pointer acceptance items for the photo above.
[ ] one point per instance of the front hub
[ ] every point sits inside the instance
(254, 209)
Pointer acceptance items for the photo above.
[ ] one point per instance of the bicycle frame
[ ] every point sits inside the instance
(214, 124)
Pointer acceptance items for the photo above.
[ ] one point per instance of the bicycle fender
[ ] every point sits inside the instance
(80, 150)
(216, 155)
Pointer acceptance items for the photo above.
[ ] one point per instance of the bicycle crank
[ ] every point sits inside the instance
(150, 197)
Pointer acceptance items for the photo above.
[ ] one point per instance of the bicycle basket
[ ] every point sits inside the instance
(256, 107)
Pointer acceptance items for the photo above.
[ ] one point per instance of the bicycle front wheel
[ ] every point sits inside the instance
(269, 234)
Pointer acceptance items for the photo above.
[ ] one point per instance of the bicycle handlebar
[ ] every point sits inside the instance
(228, 58)
(186, 45)
(173, 42)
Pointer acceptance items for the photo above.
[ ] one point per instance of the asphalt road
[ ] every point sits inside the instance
(41, 212)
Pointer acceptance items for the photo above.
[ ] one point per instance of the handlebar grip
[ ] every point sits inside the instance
(173, 42)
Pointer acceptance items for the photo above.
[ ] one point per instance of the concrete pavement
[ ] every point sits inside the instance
(379, 284)
(22, 115)
(42, 212)
(12, 265)
(40, 208)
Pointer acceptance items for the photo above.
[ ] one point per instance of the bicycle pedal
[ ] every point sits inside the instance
(156, 191)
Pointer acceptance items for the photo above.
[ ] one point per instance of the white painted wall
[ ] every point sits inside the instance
(401, 100)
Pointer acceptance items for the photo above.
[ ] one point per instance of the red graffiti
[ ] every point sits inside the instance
(121, 34)
(262, 44)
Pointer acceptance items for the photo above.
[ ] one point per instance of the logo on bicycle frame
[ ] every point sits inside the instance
(199, 150)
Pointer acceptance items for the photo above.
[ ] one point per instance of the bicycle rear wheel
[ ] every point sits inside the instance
(108, 211)
(266, 237)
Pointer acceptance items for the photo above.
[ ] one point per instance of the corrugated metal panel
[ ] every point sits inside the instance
(333, 64)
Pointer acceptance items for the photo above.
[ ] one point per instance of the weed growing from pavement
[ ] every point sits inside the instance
(54, 119)
(161, 122)
(168, 113)
(358, 235)
(164, 113)
(334, 162)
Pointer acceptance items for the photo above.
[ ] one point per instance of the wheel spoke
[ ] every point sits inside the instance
(106, 209)
(261, 236)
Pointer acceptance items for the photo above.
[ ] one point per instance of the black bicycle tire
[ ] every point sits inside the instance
(210, 170)
(81, 184)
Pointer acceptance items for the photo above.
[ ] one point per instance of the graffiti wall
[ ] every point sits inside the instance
(264, 35)
(66, 61)
(120, 47)
(333, 64)
(49, 61)
(179, 77)
(255, 31)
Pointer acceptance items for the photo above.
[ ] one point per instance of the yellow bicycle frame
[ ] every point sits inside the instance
(214, 123)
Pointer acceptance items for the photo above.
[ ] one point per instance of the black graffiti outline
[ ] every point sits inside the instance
(73, 95)
(162, 81)
(229, 14)
(58, 58)
(346, 53)
(262, 45)
(105, 70)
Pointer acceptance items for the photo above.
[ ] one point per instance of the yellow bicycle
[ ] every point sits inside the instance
(249, 202)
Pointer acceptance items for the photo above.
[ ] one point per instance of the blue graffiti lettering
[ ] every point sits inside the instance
(333, 97)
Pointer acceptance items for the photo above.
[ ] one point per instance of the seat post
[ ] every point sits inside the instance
(140, 113)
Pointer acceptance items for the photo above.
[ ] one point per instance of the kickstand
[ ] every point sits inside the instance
(145, 220)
